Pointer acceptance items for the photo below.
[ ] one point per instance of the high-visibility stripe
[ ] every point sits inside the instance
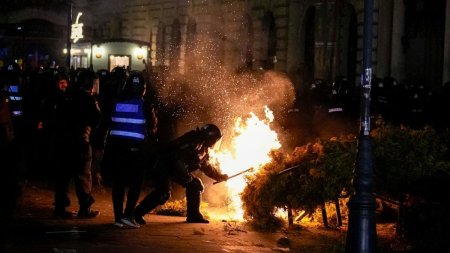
(127, 107)
(13, 88)
(15, 98)
(338, 109)
(128, 120)
(17, 113)
(127, 134)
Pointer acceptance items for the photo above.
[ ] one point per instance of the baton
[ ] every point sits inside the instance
(235, 175)
(289, 169)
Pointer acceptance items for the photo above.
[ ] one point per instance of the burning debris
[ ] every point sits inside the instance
(244, 106)
(248, 150)
(173, 208)
(199, 231)
(233, 228)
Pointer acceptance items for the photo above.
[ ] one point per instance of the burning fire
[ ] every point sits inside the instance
(250, 146)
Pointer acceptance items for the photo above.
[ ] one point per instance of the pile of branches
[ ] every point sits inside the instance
(323, 173)
(411, 167)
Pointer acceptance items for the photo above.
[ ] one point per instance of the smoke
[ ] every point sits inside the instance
(210, 93)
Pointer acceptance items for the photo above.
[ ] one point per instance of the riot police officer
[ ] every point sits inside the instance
(11, 77)
(396, 101)
(380, 92)
(133, 123)
(78, 113)
(176, 163)
(416, 106)
(333, 119)
(10, 188)
(118, 77)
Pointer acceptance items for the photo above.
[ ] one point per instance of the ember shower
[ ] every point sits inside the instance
(209, 93)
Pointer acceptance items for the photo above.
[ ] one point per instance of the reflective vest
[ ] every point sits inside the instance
(128, 120)
(15, 100)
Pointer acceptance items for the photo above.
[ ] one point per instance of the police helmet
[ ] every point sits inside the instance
(211, 133)
(104, 76)
(85, 79)
(11, 74)
(135, 85)
(103, 73)
(119, 72)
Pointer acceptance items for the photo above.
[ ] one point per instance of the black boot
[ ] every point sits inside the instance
(139, 216)
(150, 202)
(61, 203)
(87, 213)
(62, 213)
(193, 207)
(196, 219)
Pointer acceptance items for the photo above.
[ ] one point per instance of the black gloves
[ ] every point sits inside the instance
(223, 177)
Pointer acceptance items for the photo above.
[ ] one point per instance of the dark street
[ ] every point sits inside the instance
(33, 229)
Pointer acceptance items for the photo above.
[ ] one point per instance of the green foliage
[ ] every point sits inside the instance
(413, 166)
(410, 165)
(324, 171)
(404, 156)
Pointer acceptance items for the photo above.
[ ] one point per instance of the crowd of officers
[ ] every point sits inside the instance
(325, 110)
(79, 126)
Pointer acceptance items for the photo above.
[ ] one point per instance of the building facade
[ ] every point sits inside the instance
(307, 39)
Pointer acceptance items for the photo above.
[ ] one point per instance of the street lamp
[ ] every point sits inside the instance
(361, 234)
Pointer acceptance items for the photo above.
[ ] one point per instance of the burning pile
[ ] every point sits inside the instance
(250, 146)
(210, 93)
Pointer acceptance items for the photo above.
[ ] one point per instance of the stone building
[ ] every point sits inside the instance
(306, 39)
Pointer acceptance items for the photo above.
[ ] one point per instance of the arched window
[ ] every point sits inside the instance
(191, 35)
(161, 44)
(309, 40)
(270, 40)
(175, 44)
(246, 50)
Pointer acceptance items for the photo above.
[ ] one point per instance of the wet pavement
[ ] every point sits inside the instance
(33, 229)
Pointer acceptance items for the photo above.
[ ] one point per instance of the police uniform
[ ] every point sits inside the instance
(176, 163)
(77, 113)
(132, 125)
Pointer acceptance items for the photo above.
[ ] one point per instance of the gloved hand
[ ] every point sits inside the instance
(223, 177)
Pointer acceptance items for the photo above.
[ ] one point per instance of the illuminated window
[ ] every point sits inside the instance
(119, 61)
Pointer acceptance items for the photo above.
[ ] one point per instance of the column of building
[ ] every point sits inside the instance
(446, 74)
(398, 27)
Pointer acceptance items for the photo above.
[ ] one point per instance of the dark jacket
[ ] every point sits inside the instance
(185, 155)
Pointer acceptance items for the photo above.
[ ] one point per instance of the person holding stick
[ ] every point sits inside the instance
(176, 163)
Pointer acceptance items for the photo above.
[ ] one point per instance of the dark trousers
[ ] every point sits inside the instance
(73, 161)
(127, 170)
(162, 179)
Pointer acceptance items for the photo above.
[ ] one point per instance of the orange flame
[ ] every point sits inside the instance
(251, 143)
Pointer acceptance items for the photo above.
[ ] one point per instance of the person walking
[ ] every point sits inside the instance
(75, 113)
(133, 124)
